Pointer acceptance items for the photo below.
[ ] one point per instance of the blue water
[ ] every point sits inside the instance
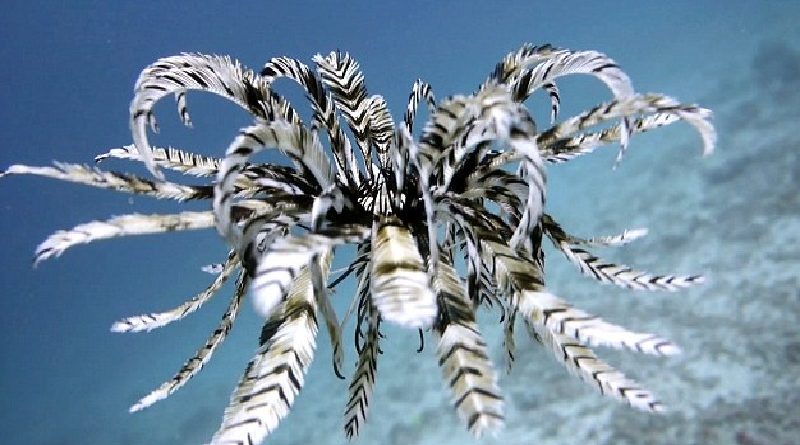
(66, 82)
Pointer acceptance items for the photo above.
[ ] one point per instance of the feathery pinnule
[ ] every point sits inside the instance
(566, 149)
(363, 380)
(464, 358)
(171, 158)
(400, 287)
(203, 355)
(121, 182)
(605, 272)
(322, 262)
(324, 109)
(420, 90)
(187, 71)
(342, 77)
(583, 363)
(125, 225)
(567, 331)
(276, 373)
(148, 322)
(277, 268)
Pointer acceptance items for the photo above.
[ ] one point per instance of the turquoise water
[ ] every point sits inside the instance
(67, 79)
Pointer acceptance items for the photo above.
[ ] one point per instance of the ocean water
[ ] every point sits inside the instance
(67, 76)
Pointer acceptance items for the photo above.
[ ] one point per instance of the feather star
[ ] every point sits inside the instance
(409, 204)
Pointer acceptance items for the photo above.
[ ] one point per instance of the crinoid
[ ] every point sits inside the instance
(472, 185)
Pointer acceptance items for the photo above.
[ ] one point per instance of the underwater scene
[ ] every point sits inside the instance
(400, 223)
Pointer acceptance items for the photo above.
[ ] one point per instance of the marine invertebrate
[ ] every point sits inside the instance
(473, 185)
